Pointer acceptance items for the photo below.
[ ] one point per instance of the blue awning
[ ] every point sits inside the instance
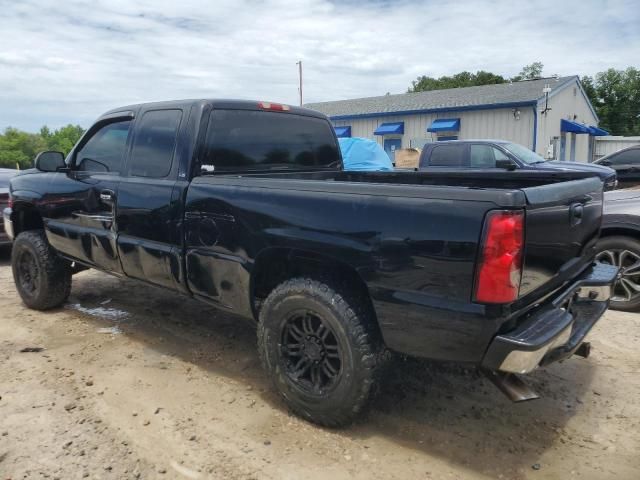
(573, 127)
(598, 132)
(390, 129)
(445, 125)
(343, 132)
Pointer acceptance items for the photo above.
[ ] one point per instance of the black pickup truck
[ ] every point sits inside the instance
(472, 157)
(245, 205)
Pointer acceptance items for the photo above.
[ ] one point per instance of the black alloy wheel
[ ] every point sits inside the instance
(311, 354)
(319, 344)
(27, 273)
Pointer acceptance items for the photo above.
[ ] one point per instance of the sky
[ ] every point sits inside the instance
(69, 61)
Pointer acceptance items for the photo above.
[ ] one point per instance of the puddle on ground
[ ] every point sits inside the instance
(101, 312)
(115, 330)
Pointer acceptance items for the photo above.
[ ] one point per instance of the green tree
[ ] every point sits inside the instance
(64, 138)
(467, 79)
(462, 79)
(615, 95)
(529, 72)
(18, 148)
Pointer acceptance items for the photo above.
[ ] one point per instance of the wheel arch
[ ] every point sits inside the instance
(25, 216)
(620, 230)
(276, 265)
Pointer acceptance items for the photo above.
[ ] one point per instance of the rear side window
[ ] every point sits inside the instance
(104, 151)
(447, 156)
(256, 140)
(154, 143)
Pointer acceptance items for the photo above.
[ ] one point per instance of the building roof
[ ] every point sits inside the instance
(528, 91)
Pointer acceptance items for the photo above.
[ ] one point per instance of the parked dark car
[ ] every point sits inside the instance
(620, 245)
(244, 205)
(461, 156)
(626, 163)
(5, 176)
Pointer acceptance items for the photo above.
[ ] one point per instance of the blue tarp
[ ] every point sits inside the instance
(390, 129)
(445, 125)
(598, 132)
(573, 127)
(343, 132)
(363, 154)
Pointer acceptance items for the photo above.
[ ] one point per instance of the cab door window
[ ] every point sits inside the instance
(485, 156)
(104, 151)
(154, 143)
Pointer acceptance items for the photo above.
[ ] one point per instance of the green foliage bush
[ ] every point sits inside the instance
(18, 148)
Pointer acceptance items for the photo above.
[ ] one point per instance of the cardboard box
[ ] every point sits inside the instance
(407, 158)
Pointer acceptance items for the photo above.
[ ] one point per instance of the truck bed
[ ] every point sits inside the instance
(412, 237)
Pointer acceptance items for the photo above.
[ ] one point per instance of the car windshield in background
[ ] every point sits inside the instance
(250, 140)
(523, 153)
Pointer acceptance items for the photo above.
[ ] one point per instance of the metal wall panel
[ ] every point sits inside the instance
(569, 104)
(479, 124)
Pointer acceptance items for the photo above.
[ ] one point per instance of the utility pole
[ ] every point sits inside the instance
(299, 63)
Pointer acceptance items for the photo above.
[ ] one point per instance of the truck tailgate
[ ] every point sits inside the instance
(562, 225)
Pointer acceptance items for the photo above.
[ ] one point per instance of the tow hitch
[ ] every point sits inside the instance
(511, 385)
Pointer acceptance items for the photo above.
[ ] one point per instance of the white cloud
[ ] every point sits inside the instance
(64, 62)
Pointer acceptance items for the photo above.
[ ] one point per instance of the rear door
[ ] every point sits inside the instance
(562, 226)
(149, 208)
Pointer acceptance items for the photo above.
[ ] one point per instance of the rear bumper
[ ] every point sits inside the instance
(6, 229)
(556, 330)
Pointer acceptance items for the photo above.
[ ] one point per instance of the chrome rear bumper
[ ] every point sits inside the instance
(557, 329)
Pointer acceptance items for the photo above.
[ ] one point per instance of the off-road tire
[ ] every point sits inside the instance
(52, 273)
(352, 323)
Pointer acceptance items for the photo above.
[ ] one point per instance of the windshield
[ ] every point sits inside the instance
(523, 153)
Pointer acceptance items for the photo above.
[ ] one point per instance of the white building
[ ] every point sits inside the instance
(552, 116)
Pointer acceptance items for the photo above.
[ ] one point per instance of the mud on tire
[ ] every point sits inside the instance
(42, 278)
(321, 350)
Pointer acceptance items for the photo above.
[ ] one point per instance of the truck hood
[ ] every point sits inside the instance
(602, 171)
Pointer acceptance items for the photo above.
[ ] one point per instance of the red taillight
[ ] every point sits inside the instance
(278, 107)
(500, 267)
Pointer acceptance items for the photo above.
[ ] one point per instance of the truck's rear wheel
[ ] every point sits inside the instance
(320, 350)
(42, 278)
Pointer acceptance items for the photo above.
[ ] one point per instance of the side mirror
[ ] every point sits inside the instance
(49, 161)
(506, 164)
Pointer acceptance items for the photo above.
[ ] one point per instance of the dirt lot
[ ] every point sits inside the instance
(134, 382)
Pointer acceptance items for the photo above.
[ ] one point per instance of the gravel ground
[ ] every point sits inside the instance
(135, 382)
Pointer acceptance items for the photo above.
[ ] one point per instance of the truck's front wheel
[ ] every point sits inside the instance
(42, 278)
(320, 350)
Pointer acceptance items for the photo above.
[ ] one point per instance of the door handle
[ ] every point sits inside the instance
(107, 196)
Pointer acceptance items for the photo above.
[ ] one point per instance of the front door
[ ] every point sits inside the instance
(83, 226)
(149, 202)
(391, 145)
